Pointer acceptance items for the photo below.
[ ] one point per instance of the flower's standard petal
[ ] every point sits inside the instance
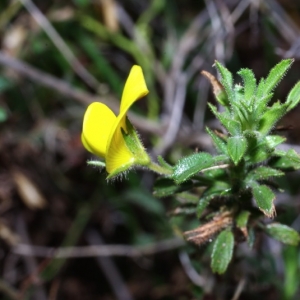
(97, 125)
(85, 144)
(118, 155)
(135, 88)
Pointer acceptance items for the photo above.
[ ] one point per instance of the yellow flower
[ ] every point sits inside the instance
(113, 137)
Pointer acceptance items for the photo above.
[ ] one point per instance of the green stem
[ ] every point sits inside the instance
(159, 169)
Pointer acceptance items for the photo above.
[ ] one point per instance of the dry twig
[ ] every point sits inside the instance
(98, 250)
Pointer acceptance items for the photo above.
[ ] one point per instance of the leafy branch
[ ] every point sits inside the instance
(234, 198)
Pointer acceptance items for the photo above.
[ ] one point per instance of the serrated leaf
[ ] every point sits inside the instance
(264, 198)
(164, 187)
(283, 233)
(222, 252)
(271, 117)
(226, 80)
(191, 165)
(249, 84)
(219, 143)
(276, 74)
(236, 147)
(262, 173)
(293, 97)
(289, 160)
(274, 140)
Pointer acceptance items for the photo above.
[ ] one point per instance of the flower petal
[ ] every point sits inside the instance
(135, 88)
(97, 125)
(118, 155)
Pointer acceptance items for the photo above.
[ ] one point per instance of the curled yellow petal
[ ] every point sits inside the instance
(118, 154)
(97, 125)
(134, 89)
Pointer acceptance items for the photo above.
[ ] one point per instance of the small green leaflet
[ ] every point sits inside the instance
(288, 160)
(226, 80)
(236, 146)
(293, 97)
(261, 173)
(249, 84)
(264, 198)
(191, 165)
(283, 233)
(222, 252)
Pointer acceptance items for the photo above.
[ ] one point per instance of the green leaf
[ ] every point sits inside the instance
(222, 158)
(226, 80)
(260, 89)
(222, 252)
(289, 160)
(264, 198)
(236, 147)
(271, 117)
(219, 189)
(274, 140)
(276, 74)
(262, 105)
(293, 97)
(242, 114)
(258, 149)
(259, 155)
(219, 143)
(203, 203)
(232, 126)
(166, 187)
(242, 219)
(283, 233)
(249, 84)
(191, 165)
(262, 173)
